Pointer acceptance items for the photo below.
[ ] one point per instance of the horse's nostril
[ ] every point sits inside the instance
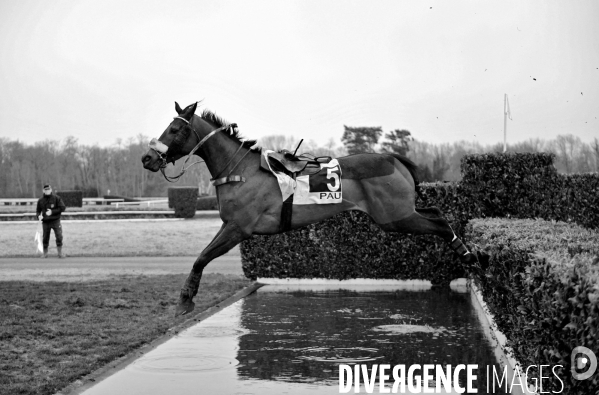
(145, 158)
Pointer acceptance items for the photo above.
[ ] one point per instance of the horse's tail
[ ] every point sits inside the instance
(412, 168)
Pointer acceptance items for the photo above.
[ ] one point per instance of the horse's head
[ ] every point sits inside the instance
(174, 143)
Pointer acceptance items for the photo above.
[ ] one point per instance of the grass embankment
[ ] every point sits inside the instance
(148, 238)
(52, 334)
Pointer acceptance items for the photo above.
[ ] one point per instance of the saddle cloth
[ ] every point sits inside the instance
(317, 184)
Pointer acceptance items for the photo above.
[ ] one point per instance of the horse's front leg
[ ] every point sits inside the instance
(229, 235)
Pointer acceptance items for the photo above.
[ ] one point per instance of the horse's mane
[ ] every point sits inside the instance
(214, 119)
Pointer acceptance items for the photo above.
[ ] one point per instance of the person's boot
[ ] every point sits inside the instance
(60, 254)
(45, 253)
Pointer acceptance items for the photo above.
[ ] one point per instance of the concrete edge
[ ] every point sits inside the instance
(88, 381)
(498, 340)
(459, 285)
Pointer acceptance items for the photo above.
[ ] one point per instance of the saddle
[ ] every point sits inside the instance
(293, 165)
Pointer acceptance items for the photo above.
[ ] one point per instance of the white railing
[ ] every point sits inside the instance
(17, 202)
(32, 201)
(91, 213)
(146, 203)
(101, 200)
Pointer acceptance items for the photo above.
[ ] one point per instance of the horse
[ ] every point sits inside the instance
(250, 201)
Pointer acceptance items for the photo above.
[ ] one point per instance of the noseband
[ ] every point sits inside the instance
(161, 149)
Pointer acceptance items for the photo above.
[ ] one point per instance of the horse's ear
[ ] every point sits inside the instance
(178, 108)
(192, 110)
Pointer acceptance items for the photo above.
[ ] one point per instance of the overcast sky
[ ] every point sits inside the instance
(102, 70)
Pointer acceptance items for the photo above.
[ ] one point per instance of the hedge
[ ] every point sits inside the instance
(183, 200)
(351, 245)
(541, 282)
(71, 198)
(207, 203)
(526, 185)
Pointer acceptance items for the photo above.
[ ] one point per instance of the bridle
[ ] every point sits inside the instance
(161, 149)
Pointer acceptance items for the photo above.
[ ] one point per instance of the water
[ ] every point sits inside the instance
(277, 341)
(303, 336)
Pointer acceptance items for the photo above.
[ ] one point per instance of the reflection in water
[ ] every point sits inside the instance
(406, 328)
(185, 362)
(303, 336)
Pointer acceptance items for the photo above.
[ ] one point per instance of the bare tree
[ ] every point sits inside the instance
(595, 149)
(565, 147)
(278, 142)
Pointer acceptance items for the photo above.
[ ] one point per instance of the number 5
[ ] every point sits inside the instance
(335, 177)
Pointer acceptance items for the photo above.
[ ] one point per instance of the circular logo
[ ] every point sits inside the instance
(587, 361)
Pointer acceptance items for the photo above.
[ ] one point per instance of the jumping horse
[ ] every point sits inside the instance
(382, 185)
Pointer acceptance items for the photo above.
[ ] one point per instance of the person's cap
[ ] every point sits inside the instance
(47, 186)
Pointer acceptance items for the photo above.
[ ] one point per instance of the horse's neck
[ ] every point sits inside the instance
(218, 150)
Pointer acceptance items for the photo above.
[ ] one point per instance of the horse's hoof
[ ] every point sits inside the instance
(185, 305)
(469, 258)
(184, 308)
(483, 259)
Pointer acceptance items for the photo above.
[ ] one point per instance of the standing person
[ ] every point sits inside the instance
(49, 208)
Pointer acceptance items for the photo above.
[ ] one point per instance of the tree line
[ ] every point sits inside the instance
(116, 170)
(441, 162)
(97, 171)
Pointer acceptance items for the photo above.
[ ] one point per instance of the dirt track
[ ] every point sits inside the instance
(98, 268)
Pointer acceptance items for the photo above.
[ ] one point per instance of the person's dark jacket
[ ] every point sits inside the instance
(52, 202)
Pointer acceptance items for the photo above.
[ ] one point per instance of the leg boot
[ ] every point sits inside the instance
(45, 253)
(60, 254)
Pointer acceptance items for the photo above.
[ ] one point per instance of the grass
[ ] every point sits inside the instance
(87, 238)
(52, 334)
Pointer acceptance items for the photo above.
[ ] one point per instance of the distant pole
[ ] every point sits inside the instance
(504, 122)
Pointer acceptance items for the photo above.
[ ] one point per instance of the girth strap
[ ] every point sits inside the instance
(286, 215)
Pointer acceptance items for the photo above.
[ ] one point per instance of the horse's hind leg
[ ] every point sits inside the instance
(429, 212)
(422, 222)
(427, 221)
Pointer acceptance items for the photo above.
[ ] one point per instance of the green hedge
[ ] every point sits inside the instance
(576, 199)
(183, 200)
(71, 198)
(207, 203)
(527, 186)
(541, 283)
(515, 185)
